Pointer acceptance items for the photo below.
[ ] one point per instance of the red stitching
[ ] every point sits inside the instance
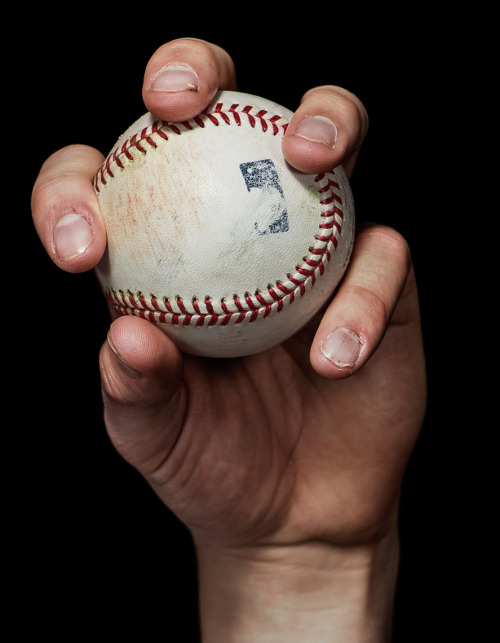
(219, 110)
(239, 309)
(145, 139)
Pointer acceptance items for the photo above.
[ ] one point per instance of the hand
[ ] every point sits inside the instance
(286, 466)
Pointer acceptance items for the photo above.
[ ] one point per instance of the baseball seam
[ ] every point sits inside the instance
(249, 307)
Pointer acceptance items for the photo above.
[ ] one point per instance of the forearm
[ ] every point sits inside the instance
(311, 592)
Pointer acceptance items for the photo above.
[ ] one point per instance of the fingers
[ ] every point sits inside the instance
(326, 130)
(183, 76)
(359, 314)
(180, 80)
(65, 209)
(143, 397)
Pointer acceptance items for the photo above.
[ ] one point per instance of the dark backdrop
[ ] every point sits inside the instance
(91, 547)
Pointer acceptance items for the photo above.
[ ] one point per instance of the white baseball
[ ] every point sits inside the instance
(213, 236)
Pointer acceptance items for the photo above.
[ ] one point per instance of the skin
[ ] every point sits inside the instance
(286, 466)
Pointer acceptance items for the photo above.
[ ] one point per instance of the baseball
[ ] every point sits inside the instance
(212, 236)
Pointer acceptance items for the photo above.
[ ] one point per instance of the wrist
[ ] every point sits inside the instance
(310, 592)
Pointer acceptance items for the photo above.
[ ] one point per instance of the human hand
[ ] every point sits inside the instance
(286, 464)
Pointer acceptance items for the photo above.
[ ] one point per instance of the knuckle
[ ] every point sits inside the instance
(117, 391)
(181, 49)
(382, 265)
(389, 241)
(66, 173)
(341, 101)
(370, 305)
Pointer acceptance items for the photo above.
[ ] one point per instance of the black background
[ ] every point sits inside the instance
(91, 548)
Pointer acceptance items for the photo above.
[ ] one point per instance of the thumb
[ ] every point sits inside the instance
(144, 399)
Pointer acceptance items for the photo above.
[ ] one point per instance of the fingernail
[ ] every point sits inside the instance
(176, 78)
(342, 347)
(72, 236)
(128, 370)
(318, 129)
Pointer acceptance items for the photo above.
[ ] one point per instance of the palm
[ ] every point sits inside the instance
(269, 451)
